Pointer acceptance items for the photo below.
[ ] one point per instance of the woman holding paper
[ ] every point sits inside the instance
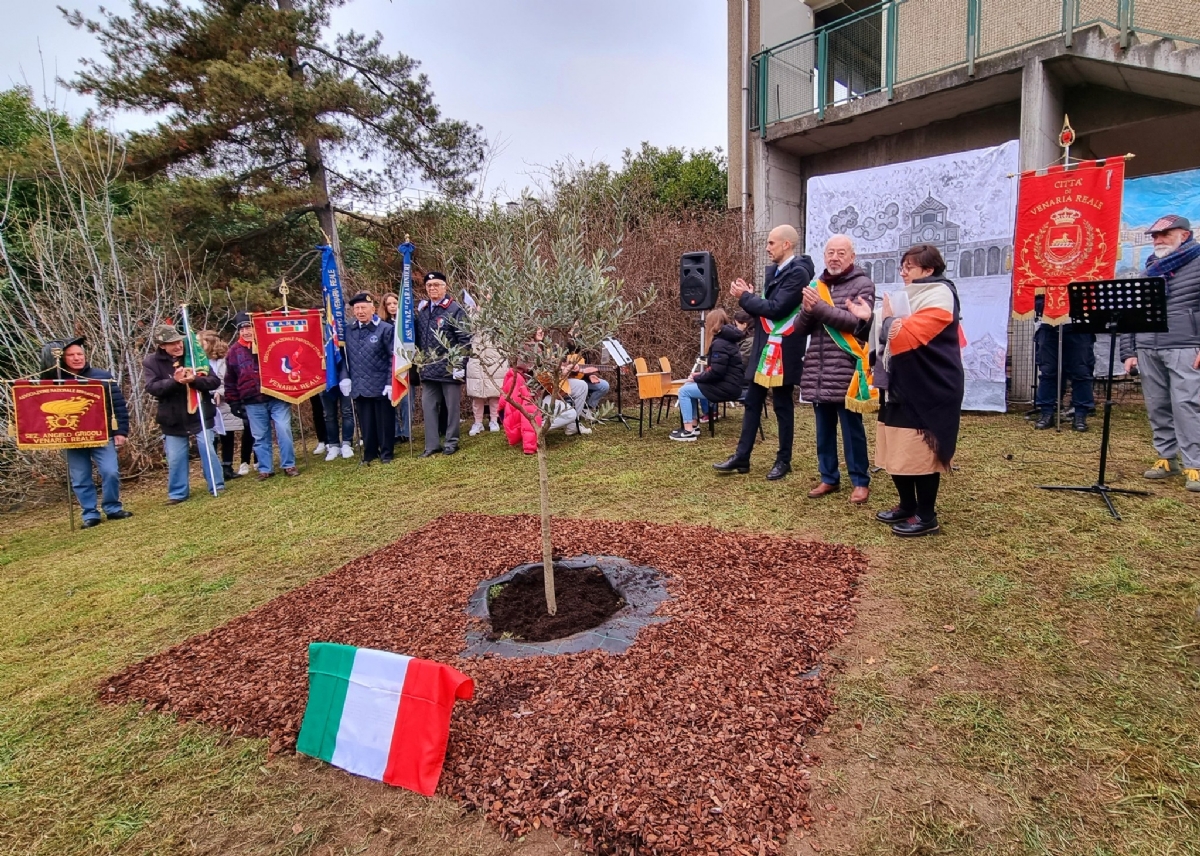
(919, 373)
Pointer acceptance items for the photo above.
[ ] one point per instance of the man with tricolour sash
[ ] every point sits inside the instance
(777, 355)
(837, 374)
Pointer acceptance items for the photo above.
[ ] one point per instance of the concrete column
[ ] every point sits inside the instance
(1041, 122)
(778, 188)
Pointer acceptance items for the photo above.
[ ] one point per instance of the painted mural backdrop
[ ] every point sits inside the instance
(964, 204)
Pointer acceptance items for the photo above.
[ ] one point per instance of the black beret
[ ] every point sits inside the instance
(435, 274)
(362, 297)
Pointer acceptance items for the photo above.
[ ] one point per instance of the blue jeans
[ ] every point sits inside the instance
(177, 466)
(596, 391)
(854, 444)
(79, 465)
(337, 405)
(262, 416)
(690, 397)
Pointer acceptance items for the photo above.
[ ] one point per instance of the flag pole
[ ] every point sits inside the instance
(57, 354)
(210, 477)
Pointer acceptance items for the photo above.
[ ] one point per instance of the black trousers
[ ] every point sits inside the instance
(783, 400)
(377, 424)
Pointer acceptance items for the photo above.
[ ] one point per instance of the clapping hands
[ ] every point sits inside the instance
(860, 308)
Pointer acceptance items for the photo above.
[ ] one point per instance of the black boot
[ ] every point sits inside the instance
(1046, 420)
(1080, 423)
(229, 472)
(781, 469)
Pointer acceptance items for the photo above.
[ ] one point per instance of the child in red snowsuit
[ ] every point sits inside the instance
(517, 426)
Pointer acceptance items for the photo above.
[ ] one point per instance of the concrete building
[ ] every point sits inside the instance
(818, 87)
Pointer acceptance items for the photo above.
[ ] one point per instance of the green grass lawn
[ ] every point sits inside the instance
(1028, 682)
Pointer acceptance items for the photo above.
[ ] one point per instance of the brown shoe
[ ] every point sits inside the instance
(822, 489)
(261, 476)
(860, 495)
(291, 471)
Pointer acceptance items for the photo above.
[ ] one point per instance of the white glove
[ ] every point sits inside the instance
(458, 374)
(344, 386)
(387, 391)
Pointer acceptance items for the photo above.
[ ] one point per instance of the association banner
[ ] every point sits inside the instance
(334, 331)
(291, 353)
(964, 204)
(1068, 230)
(51, 415)
(404, 335)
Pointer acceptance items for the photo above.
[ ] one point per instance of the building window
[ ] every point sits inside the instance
(889, 269)
(964, 267)
(1008, 251)
(980, 261)
(929, 217)
(993, 263)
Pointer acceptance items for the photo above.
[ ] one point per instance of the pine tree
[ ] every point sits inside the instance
(253, 90)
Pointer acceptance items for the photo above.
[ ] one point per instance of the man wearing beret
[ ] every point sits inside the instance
(167, 379)
(369, 351)
(1169, 362)
(441, 325)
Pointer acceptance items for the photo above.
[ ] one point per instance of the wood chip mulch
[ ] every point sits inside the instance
(691, 742)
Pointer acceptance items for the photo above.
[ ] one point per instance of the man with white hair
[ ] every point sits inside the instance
(777, 355)
(1169, 362)
(835, 373)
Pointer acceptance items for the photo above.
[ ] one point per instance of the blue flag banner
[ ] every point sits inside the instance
(334, 316)
(404, 341)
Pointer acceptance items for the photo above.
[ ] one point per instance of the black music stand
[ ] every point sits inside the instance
(1115, 306)
(620, 358)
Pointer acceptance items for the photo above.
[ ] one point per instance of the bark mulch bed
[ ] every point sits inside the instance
(690, 742)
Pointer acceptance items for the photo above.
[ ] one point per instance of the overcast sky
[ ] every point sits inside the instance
(547, 79)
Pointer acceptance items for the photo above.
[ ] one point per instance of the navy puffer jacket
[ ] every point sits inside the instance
(369, 348)
(722, 381)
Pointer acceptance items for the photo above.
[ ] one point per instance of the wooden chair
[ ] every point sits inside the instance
(672, 390)
(651, 386)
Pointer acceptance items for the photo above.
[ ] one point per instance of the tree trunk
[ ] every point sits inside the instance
(547, 549)
(314, 161)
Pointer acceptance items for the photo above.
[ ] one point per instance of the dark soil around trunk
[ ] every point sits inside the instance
(584, 597)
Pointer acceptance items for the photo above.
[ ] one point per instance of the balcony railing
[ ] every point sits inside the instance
(898, 41)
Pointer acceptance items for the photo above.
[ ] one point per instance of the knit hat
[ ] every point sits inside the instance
(242, 319)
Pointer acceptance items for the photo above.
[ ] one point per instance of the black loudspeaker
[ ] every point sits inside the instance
(697, 281)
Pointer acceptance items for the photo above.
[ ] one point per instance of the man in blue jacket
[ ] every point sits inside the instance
(80, 461)
(777, 355)
(369, 350)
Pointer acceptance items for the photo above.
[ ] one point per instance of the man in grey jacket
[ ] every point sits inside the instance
(1169, 362)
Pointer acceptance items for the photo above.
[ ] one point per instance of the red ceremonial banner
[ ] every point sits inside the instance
(53, 415)
(291, 353)
(1068, 230)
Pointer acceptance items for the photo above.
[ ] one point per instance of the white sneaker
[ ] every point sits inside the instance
(332, 453)
(477, 428)
(347, 451)
(493, 426)
(244, 470)
(320, 448)
(570, 428)
(583, 429)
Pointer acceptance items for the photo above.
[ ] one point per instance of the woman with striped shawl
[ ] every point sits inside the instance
(919, 373)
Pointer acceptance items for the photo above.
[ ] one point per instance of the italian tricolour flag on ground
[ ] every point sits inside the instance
(380, 715)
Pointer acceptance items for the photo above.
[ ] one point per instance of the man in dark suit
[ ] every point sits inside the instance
(777, 356)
